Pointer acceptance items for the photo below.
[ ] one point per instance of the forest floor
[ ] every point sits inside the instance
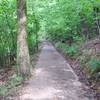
(53, 79)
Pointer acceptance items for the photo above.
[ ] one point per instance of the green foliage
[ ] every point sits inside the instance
(33, 28)
(15, 82)
(8, 38)
(71, 51)
(94, 65)
(8, 30)
(65, 18)
(7, 26)
(10, 85)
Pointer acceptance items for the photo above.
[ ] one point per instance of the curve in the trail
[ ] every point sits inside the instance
(54, 79)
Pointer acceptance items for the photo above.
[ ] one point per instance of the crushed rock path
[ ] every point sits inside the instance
(54, 79)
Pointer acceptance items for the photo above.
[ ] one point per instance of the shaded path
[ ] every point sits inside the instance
(54, 79)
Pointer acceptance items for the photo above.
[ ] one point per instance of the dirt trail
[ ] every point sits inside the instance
(54, 79)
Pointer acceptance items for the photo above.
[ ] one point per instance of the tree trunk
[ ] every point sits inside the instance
(23, 59)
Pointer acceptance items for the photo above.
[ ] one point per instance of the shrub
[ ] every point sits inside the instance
(94, 65)
(69, 50)
(72, 51)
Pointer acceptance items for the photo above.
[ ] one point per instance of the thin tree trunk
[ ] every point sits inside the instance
(23, 59)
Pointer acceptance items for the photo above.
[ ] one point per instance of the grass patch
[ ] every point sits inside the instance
(10, 85)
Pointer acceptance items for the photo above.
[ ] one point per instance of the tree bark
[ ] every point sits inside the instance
(23, 58)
